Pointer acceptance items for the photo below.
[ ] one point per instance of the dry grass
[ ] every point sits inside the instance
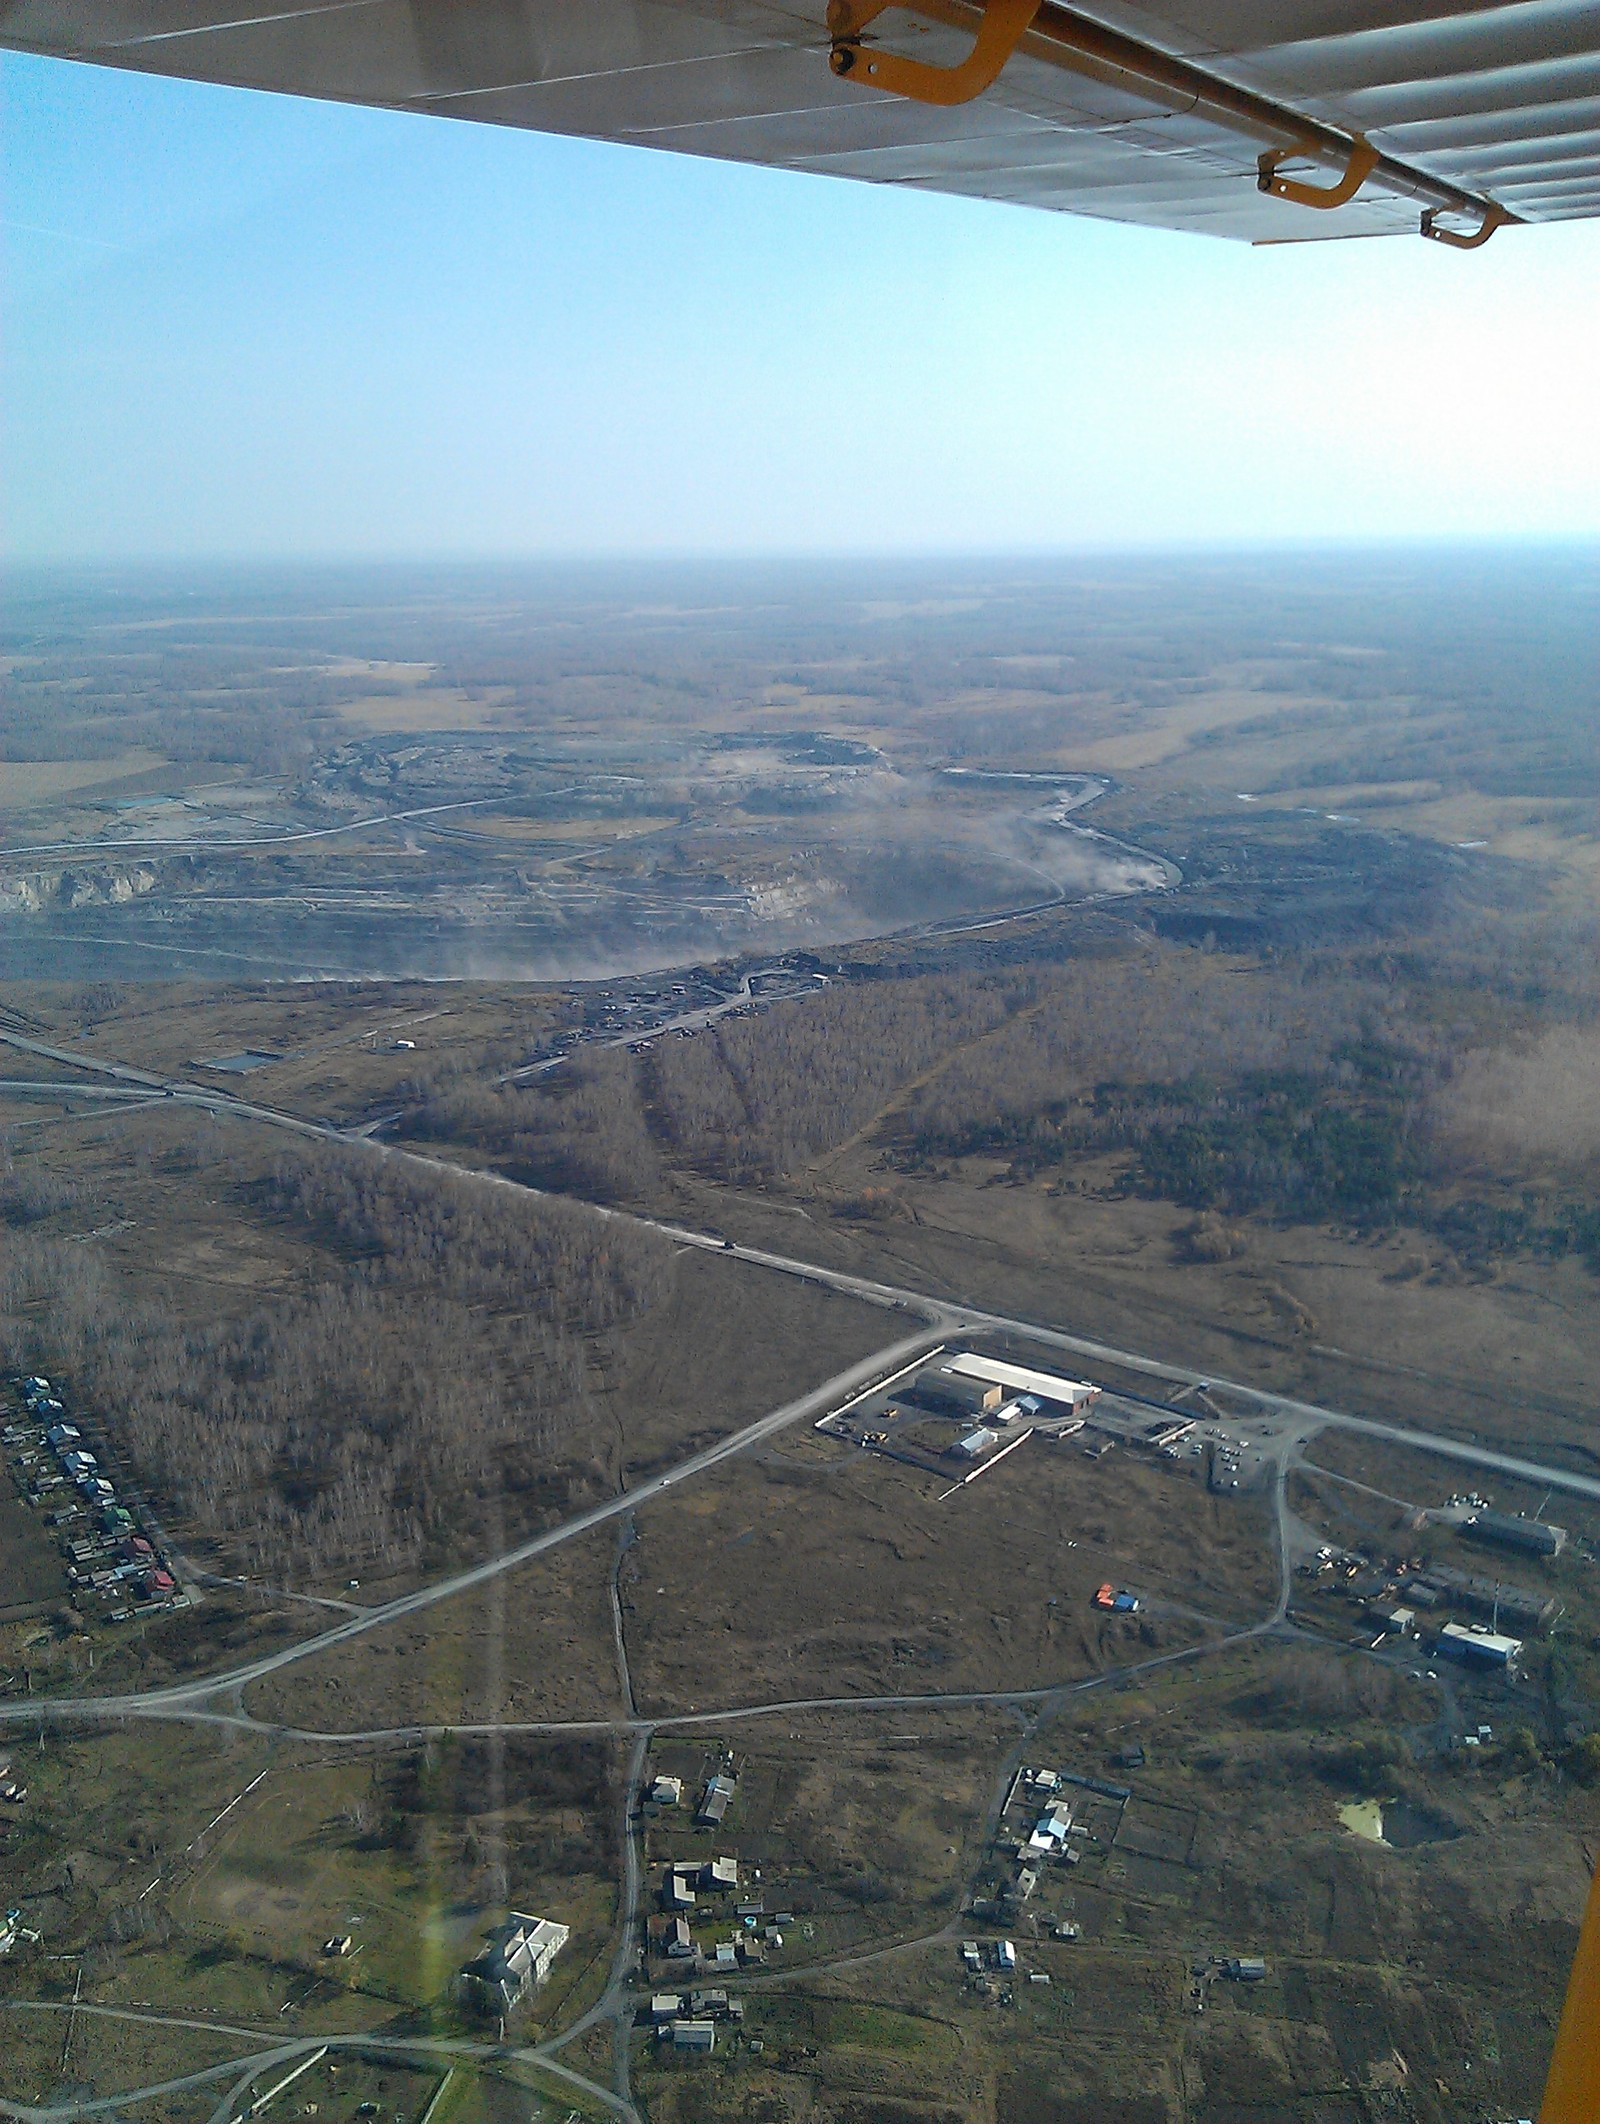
(1153, 738)
(27, 782)
(579, 830)
(428, 708)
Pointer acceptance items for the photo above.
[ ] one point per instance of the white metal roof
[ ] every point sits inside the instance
(1484, 1640)
(997, 1373)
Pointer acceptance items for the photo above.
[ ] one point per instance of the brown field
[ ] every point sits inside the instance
(816, 1576)
(1155, 738)
(535, 1644)
(1388, 1326)
(427, 708)
(988, 1590)
(25, 784)
(562, 831)
(31, 1577)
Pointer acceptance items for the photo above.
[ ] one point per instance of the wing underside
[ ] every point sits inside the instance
(1470, 114)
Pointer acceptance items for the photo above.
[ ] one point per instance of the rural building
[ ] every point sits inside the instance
(1245, 1968)
(719, 1874)
(1518, 1607)
(1478, 1646)
(665, 2006)
(516, 1961)
(1507, 1530)
(975, 1444)
(677, 1889)
(943, 1394)
(1398, 1622)
(694, 2035)
(1006, 1955)
(715, 1800)
(666, 1791)
(1052, 1829)
(1059, 1396)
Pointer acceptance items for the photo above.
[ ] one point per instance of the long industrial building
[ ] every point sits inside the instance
(1074, 1395)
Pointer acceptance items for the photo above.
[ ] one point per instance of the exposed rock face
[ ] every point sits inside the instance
(104, 886)
(22, 895)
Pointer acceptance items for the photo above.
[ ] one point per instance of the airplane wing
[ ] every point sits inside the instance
(1268, 120)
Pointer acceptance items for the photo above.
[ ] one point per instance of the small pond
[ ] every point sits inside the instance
(1401, 1824)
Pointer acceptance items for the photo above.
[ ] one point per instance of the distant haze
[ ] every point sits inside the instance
(246, 325)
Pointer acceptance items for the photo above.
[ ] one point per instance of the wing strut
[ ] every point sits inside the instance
(1056, 34)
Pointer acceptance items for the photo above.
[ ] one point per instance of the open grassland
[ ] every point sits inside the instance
(185, 1872)
(26, 785)
(535, 1644)
(794, 1580)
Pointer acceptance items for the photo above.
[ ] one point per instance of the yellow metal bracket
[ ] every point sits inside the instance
(999, 33)
(1363, 161)
(1493, 215)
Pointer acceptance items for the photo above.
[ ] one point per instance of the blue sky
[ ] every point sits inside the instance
(241, 325)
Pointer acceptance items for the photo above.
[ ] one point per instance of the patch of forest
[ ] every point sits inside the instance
(1343, 1085)
(1324, 1093)
(748, 1100)
(434, 1354)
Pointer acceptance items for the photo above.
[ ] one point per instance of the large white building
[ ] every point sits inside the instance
(516, 1961)
(1045, 1386)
